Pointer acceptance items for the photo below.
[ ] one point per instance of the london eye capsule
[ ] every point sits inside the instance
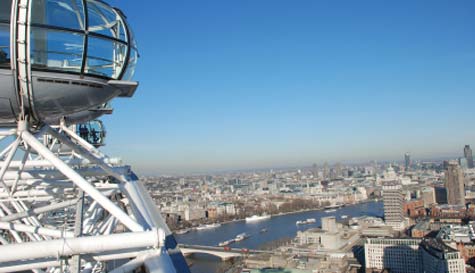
(62, 58)
(92, 131)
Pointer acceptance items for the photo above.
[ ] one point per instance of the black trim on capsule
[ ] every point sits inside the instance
(8, 63)
(129, 44)
(70, 73)
(77, 31)
(86, 39)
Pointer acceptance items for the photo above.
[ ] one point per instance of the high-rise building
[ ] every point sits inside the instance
(440, 195)
(428, 196)
(395, 255)
(393, 201)
(407, 161)
(463, 163)
(454, 182)
(326, 171)
(439, 257)
(338, 172)
(315, 170)
(467, 152)
(329, 223)
(412, 256)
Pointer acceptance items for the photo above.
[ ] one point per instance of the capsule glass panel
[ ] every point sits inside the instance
(59, 35)
(130, 72)
(4, 45)
(59, 13)
(105, 57)
(105, 21)
(56, 50)
(5, 10)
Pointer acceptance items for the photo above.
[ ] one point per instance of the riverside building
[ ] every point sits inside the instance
(393, 201)
(455, 184)
(412, 256)
(396, 255)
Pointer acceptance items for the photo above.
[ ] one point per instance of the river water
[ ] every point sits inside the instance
(278, 227)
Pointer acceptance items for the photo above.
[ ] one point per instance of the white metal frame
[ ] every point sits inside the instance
(74, 212)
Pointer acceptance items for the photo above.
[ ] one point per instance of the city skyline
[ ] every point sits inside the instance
(264, 84)
(320, 165)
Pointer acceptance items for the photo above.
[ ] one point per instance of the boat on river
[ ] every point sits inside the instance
(241, 237)
(306, 222)
(209, 226)
(256, 218)
(225, 243)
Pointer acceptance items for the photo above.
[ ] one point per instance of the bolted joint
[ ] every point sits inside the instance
(22, 126)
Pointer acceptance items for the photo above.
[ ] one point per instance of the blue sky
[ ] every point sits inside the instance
(267, 83)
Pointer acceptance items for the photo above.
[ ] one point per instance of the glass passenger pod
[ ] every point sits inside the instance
(81, 54)
(93, 132)
(9, 106)
(86, 37)
(5, 34)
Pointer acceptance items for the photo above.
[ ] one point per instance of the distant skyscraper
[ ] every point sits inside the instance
(454, 182)
(467, 152)
(315, 170)
(393, 204)
(407, 161)
(463, 163)
(338, 171)
(326, 171)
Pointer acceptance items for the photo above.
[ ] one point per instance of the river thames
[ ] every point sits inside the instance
(278, 227)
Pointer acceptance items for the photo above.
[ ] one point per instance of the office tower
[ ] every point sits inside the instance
(326, 171)
(315, 170)
(463, 163)
(454, 182)
(338, 172)
(439, 257)
(393, 201)
(440, 195)
(329, 223)
(467, 152)
(445, 164)
(428, 196)
(412, 256)
(407, 161)
(394, 255)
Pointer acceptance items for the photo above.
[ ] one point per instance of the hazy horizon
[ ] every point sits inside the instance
(320, 164)
(251, 84)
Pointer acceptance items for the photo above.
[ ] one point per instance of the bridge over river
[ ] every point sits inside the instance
(224, 253)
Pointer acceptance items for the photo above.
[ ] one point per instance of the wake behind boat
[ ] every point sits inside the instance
(209, 226)
(256, 218)
(241, 237)
(305, 222)
(225, 243)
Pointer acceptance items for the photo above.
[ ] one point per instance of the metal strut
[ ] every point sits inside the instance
(54, 209)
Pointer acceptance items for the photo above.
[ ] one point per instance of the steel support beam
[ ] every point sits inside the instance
(40, 210)
(81, 182)
(35, 230)
(83, 245)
